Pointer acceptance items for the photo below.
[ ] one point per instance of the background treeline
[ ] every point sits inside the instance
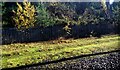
(65, 13)
(48, 21)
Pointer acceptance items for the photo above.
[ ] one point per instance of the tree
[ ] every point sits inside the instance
(63, 14)
(24, 16)
(7, 7)
(117, 16)
(119, 19)
(43, 17)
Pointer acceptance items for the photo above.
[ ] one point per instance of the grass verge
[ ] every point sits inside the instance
(15, 55)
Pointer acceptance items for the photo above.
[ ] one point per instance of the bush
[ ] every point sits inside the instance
(24, 16)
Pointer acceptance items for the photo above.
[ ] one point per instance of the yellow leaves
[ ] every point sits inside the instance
(20, 7)
(104, 4)
(29, 4)
(13, 11)
(25, 15)
(32, 9)
(25, 2)
(66, 28)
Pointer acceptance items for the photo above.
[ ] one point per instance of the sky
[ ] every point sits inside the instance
(111, 1)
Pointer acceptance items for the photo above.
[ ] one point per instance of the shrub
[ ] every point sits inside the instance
(24, 16)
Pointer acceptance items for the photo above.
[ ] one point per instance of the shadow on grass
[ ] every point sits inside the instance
(64, 59)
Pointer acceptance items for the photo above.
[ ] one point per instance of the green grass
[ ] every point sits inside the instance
(15, 55)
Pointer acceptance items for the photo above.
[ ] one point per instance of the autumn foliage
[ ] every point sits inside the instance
(24, 16)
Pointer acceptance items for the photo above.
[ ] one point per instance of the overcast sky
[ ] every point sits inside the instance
(111, 1)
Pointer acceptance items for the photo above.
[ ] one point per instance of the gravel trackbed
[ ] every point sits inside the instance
(109, 61)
